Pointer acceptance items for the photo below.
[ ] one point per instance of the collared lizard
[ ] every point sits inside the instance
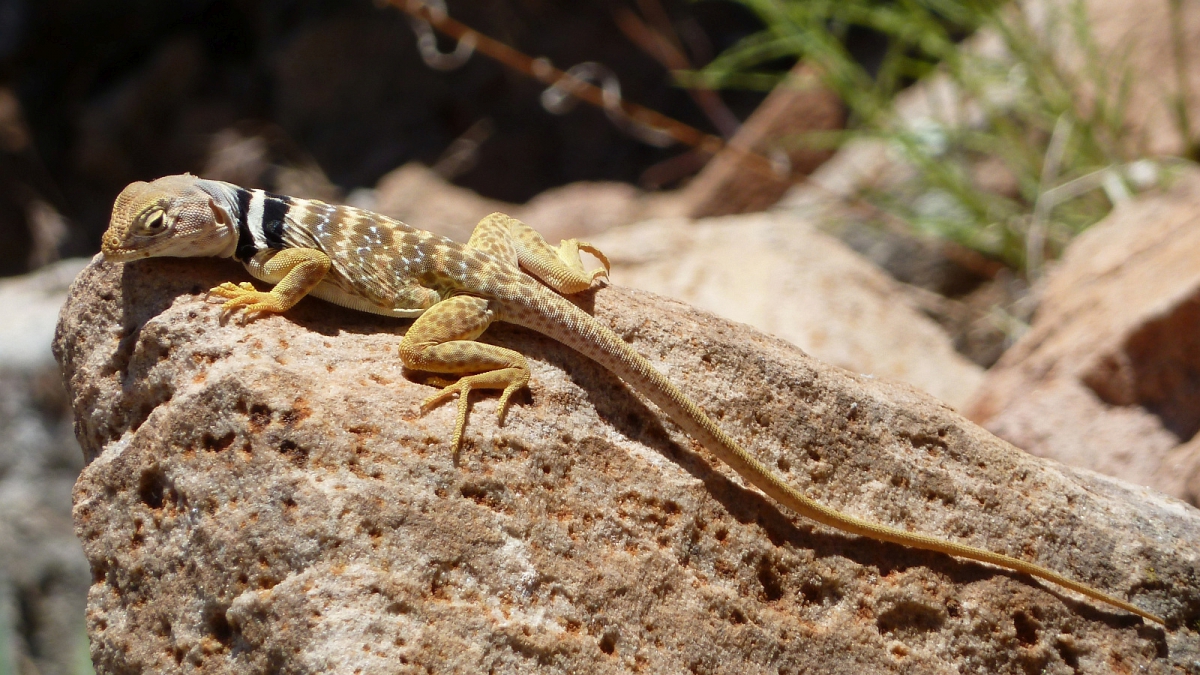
(505, 272)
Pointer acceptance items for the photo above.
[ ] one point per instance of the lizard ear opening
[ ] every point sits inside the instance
(220, 215)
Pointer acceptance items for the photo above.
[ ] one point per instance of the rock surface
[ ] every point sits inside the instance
(781, 275)
(1108, 377)
(266, 498)
(43, 574)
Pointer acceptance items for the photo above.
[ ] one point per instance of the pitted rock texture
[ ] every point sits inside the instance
(266, 498)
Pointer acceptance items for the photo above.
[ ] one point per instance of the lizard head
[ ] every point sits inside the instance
(178, 216)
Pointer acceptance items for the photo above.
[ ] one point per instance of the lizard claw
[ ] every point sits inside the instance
(599, 278)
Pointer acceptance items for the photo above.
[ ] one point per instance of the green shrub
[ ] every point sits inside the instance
(1055, 133)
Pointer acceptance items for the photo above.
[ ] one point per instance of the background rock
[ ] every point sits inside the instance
(781, 275)
(1139, 38)
(1108, 375)
(266, 497)
(419, 196)
(43, 575)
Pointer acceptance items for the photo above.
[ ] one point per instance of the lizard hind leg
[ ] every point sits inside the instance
(442, 341)
(559, 267)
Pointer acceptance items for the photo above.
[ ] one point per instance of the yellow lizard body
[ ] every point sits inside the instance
(506, 272)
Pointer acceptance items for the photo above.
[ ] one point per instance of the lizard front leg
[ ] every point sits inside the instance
(442, 341)
(295, 272)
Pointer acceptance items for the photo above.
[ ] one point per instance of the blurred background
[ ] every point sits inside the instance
(99, 94)
(957, 147)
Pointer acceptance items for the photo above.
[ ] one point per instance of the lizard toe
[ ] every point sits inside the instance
(441, 397)
(229, 290)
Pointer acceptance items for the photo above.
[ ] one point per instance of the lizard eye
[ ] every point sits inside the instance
(153, 223)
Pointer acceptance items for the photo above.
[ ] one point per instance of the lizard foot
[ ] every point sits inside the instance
(244, 295)
(510, 379)
(600, 273)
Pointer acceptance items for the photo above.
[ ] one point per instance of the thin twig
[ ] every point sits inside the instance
(542, 70)
(666, 51)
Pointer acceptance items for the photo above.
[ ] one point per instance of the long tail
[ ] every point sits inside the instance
(548, 313)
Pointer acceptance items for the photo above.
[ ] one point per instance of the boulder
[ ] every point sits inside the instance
(1108, 376)
(1139, 40)
(780, 274)
(266, 497)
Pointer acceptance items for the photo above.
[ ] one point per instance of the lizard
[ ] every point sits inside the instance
(505, 272)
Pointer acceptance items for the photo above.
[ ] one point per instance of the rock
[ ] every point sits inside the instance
(43, 574)
(1139, 39)
(1108, 376)
(781, 275)
(417, 195)
(267, 498)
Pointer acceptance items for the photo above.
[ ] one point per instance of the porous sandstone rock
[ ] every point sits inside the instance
(266, 498)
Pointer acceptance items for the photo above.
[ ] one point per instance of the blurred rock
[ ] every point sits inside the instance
(973, 299)
(584, 210)
(1138, 39)
(43, 575)
(417, 195)
(781, 275)
(265, 498)
(1108, 377)
(1130, 42)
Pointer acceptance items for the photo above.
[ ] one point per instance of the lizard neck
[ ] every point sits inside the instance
(226, 213)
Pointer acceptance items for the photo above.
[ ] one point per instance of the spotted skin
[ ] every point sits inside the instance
(506, 272)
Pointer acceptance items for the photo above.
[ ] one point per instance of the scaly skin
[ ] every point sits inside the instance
(506, 272)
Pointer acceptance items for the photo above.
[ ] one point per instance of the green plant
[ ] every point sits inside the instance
(1017, 108)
